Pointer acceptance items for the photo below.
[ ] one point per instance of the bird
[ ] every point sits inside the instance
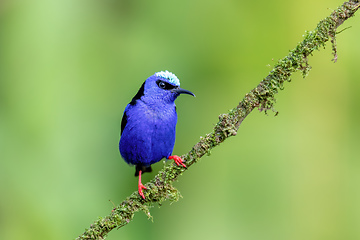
(148, 125)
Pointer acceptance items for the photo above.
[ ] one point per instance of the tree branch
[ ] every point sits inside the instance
(262, 97)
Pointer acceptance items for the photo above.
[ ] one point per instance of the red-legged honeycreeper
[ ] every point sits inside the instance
(149, 122)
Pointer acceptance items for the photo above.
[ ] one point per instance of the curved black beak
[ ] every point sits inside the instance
(181, 90)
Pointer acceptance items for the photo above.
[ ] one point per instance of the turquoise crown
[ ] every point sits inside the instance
(172, 78)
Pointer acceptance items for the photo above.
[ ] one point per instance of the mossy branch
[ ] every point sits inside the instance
(262, 97)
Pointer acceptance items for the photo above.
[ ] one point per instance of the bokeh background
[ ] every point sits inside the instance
(68, 68)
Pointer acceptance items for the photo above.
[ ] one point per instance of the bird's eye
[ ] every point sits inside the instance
(162, 85)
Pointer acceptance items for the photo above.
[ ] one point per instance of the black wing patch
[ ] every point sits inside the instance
(123, 122)
(138, 94)
(133, 102)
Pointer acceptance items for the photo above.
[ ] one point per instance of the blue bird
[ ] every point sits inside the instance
(149, 122)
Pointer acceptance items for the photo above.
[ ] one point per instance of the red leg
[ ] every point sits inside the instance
(177, 160)
(141, 186)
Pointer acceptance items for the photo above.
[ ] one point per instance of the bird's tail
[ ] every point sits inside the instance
(142, 168)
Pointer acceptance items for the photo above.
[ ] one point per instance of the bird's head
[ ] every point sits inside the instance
(164, 86)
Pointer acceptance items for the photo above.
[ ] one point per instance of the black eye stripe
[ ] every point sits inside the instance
(164, 85)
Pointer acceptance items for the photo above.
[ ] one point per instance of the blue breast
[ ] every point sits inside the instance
(149, 133)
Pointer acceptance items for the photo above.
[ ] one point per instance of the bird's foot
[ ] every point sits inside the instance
(178, 160)
(141, 187)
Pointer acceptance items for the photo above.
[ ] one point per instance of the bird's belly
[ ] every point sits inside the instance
(148, 141)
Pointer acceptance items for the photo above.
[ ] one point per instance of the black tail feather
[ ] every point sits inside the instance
(142, 168)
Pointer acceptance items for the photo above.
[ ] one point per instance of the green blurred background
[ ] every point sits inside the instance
(68, 68)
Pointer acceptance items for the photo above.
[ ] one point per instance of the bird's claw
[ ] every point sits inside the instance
(178, 160)
(141, 187)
